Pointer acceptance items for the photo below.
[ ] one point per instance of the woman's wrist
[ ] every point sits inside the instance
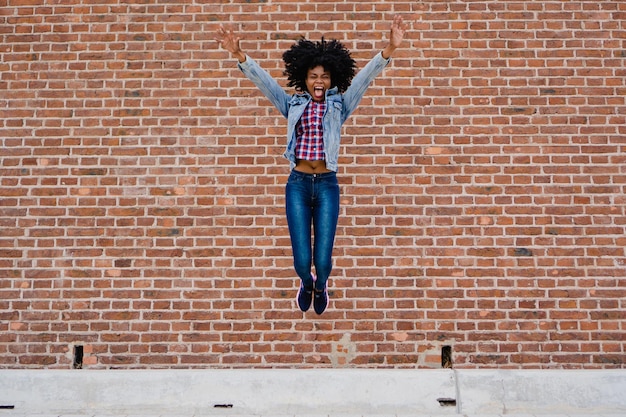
(388, 51)
(241, 57)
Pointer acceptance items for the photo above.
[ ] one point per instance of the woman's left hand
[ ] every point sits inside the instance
(398, 28)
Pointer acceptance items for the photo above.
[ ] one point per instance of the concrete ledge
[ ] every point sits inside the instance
(225, 392)
(312, 391)
(588, 392)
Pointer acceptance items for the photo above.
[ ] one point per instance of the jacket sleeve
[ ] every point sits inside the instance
(268, 86)
(353, 95)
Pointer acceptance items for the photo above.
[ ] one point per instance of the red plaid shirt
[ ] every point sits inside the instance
(309, 133)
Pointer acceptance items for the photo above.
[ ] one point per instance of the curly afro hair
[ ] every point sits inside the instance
(332, 55)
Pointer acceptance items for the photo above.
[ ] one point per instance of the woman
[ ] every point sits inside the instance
(327, 92)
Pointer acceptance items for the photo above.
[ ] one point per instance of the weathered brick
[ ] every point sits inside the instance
(142, 186)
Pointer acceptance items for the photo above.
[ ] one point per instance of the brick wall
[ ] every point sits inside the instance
(483, 188)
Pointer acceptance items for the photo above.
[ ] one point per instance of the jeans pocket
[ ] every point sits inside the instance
(330, 180)
(295, 178)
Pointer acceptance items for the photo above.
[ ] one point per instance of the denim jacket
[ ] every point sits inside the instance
(338, 106)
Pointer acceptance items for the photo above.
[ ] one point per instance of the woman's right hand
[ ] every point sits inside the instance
(230, 41)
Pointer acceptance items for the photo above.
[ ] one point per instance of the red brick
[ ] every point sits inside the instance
(143, 190)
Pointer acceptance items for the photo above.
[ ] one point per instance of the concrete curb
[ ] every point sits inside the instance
(276, 392)
(542, 392)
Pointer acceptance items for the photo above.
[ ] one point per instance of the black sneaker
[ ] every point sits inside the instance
(320, 301)
(305, 297)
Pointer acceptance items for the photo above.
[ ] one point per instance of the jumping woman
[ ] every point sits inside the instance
(327, 91)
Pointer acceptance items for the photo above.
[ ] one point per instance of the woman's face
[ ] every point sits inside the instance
(317, 82)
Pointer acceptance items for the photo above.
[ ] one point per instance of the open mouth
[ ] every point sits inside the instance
(318, 92)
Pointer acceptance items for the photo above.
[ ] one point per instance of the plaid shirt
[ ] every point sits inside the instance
(309, 133)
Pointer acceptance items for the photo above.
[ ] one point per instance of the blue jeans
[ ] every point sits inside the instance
(312, 200)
